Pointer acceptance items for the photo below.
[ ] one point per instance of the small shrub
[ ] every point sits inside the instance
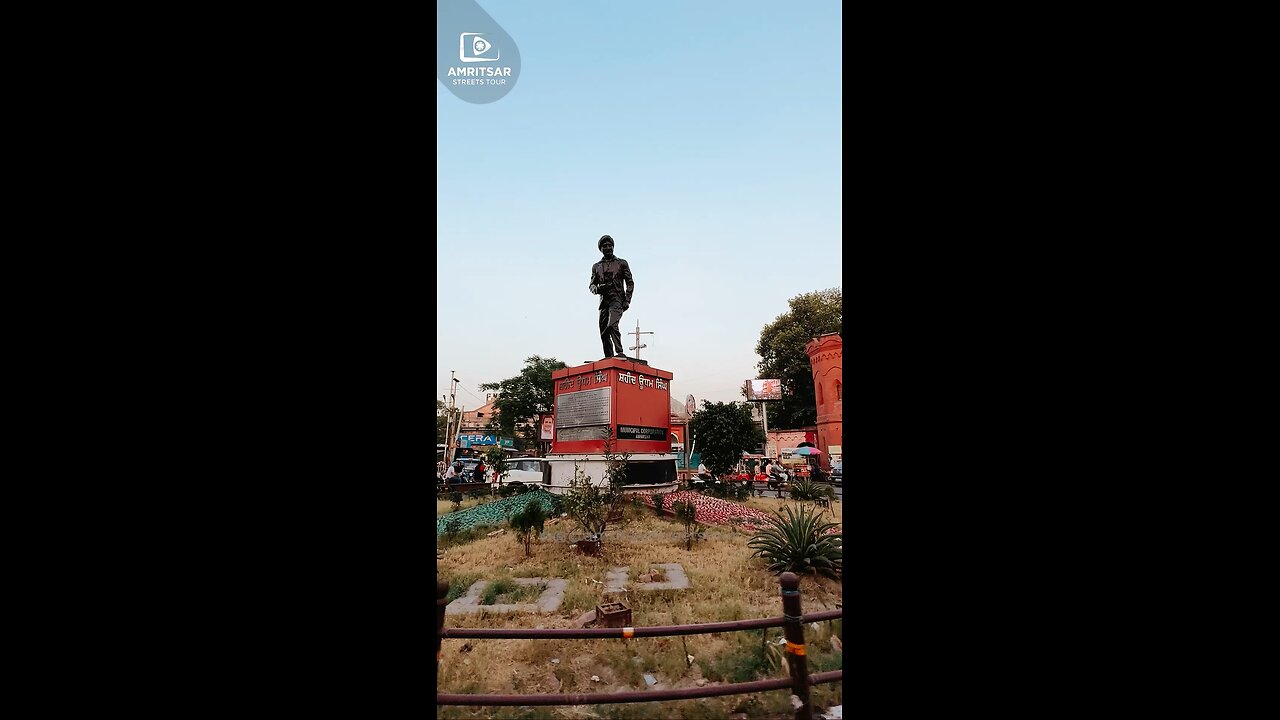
(451, 527)
(557, 504)
(657, 502)
(636, 509)
(527, 523)
(686, 513)
(796, 542)
(455, 497)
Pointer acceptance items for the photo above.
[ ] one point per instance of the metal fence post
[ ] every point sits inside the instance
(793, 631)
(442, 595)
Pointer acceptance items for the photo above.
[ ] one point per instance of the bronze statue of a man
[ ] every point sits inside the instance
(607, 280)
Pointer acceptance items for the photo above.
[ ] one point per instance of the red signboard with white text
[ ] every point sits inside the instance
(628, 398)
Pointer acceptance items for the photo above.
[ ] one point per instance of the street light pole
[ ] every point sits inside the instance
(637, 333)
(451, 437)
(764, 414)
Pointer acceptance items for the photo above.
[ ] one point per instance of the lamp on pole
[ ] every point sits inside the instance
(637, 333)
(689, 461)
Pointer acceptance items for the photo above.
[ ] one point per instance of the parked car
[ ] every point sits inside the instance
(528, 471)
(837, 471)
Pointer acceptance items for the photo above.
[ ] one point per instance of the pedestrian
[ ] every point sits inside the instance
(477, 475)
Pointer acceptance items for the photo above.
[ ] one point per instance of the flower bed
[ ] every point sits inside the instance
(714, 511)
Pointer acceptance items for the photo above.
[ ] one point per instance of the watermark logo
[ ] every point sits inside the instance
(476, 59)
(473, 47)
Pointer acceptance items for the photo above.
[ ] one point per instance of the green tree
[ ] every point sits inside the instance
(522, 397)
(496, 459)
(527, 523)
(724, 431)
(687, 514)
(442, 417)
(596, 508)
(781, 349)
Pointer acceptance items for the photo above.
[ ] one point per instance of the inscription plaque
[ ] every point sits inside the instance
(586, 407)
(590, 432)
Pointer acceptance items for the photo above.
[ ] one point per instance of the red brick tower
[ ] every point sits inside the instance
(825, 353)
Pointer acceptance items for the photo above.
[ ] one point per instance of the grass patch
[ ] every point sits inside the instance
(744, 660)
(579, 598)
(462, 537)
(459, 583)
(636, 572)
(772, 505)
(619, 658)
(567, 677)
(505, 591)
(444, 507)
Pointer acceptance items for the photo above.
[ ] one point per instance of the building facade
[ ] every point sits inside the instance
(825, 358)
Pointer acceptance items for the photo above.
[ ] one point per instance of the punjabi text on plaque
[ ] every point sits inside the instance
(586, 407)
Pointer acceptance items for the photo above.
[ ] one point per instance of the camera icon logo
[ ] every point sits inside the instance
(472, 47)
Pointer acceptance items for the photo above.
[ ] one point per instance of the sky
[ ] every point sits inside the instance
(704, 137)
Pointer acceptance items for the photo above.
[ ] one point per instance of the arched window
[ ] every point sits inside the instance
(820, 400)
(839, 391)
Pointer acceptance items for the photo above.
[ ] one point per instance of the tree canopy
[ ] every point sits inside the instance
(442, 416)
(522, 397)
(724, 431)
(781, 349)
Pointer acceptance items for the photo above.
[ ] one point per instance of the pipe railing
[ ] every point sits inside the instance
(792, 622)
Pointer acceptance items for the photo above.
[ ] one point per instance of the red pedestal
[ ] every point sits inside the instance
(629, 398)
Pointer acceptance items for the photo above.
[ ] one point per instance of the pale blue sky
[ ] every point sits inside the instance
(703, 136)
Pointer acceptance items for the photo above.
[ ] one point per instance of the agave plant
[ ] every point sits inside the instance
(804, 488)
(796, 542)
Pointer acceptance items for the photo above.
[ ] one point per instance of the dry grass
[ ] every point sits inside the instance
(726, 584)
(444, 507)
(771, 505)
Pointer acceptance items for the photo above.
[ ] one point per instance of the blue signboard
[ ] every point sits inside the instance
(694, 460)
(470, 440)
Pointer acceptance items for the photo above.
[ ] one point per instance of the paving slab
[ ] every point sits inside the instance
(615, 581)
(548, 601)
(676, 579)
